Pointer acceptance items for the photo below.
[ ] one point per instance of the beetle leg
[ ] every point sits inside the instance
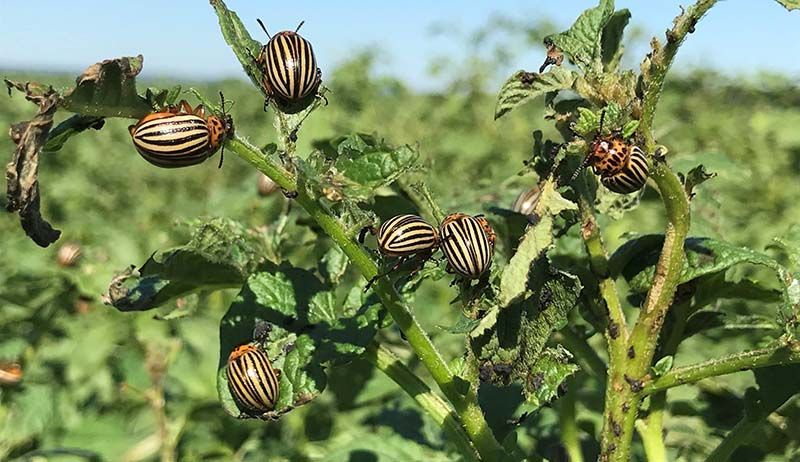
(363, 233)
(400, 261)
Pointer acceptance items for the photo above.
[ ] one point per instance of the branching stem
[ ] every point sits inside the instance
(466, 406)
(625, 392)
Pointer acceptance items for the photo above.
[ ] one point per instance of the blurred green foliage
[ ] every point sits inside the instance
(105, 385)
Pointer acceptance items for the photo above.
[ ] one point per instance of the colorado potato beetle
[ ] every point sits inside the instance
(289, 67)
(621, 165)
(467, 243)
(526, 201)
(404, 237)
(252, 380)
(181, 136)
(10, 374)
(69, 254)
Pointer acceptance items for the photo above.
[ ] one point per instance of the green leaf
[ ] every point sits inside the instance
(316, 328)
(582, 41)
(537, 240)
(365, 164)
(463, 325)
(552, 368)
(662, 366)
(236, 36)
(524, 86)
(223, 249)
(790, 4)
(510, 342)
(69, 128)
(333, 265)
(636, 259)
(551, 202)
(612, 48)
(704, 320)
(108, 89)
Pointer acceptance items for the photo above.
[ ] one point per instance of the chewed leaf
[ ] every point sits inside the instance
(537, 240)
(582, 41)
(509, 343)
(612, 39)
(544, 379)
(224, 250)
(236, 36)
(68, 128)
(108, 89)
(523, 86)
(22, 173)
(365, 164)
(310, 328)
(790, 4)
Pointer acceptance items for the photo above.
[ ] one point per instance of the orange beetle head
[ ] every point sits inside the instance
(241, 350)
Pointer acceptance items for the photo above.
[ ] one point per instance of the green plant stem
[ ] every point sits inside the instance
(654, 71)
(623, 402)
(781, 353)
(567, 423)
(651, 428)
(738, 435)
(742, 432)
(466, 406)
(623, 396)
(385, 361)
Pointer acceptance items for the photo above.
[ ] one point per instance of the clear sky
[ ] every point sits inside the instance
(180, 37)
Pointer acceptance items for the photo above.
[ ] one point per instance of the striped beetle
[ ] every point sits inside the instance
(289, 67)
(10, 374)
(468, 244)
(181, 136)
(622, 165)
(526, 201)
(252, 380)
(403, 236)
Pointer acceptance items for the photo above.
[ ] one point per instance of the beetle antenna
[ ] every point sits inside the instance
(264, 28)
(299, 26)
(602, 119)
(586, 162)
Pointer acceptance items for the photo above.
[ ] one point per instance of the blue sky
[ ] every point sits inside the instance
(179, 38)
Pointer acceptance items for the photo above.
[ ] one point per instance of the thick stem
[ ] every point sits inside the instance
(466, 406)
(651, 431)
(781, 353)
(568, 425)
(622, 406)
(651, 428)
(623, 402)
(436, 407)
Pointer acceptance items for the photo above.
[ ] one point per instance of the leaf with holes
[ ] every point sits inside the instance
(225, 251)
(524, 86)
(582, 42)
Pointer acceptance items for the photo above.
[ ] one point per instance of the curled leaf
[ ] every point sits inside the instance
(22, 172)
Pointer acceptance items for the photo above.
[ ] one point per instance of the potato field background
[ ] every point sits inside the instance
(102, 385)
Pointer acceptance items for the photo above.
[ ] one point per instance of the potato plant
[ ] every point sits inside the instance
(556, 317)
